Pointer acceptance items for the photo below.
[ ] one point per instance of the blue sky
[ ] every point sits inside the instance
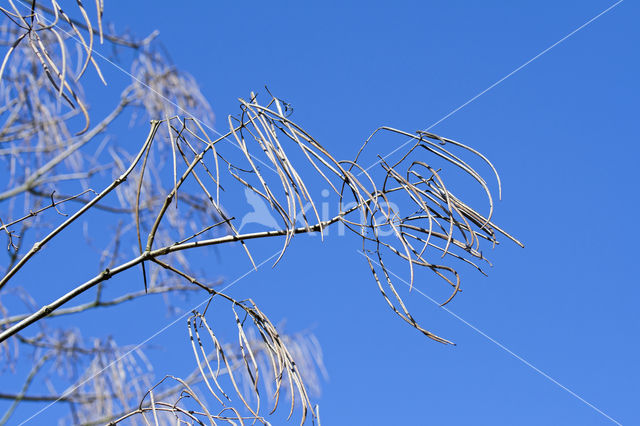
(555, 322)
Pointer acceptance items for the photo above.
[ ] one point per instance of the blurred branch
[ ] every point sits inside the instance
(102, 304)
(25, 387)
(35, 178)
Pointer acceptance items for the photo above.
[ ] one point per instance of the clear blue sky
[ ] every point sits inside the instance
(562, 132)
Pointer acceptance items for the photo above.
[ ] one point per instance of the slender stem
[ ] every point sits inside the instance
(53, 204)
(230, 238)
